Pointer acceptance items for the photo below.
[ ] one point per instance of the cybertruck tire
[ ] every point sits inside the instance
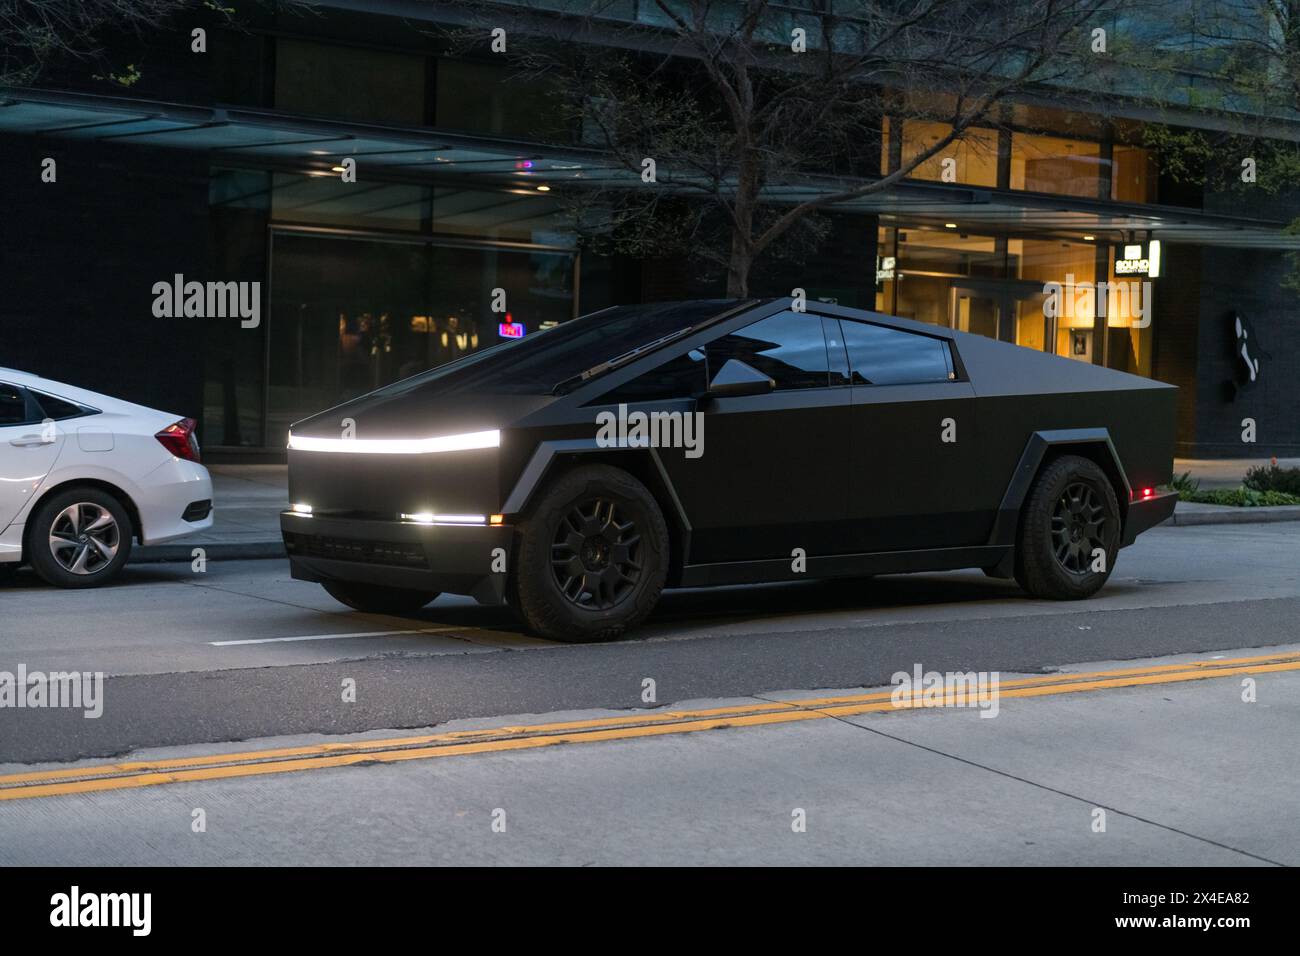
(1070, 515)
(592, 557)
(376, 598)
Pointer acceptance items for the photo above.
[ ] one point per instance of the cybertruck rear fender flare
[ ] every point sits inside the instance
(1089, 441)
(550, 456)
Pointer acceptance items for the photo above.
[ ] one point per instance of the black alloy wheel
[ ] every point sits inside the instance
(595, 556)
(1078, 527)
(591, 556)
(1070, 520)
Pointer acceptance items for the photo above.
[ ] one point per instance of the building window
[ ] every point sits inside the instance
(327, 200)
(1072, 265)
(974, 156)
(1055, 164)
(1133, 174)
(348, 315)
(346, 82)
(478, 97)
(924, 264)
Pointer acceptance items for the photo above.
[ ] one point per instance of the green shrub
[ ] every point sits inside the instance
(1185, 484)
(1274, 478)
(1240, 497)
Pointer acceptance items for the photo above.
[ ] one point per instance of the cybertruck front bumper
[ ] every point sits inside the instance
(453, 559)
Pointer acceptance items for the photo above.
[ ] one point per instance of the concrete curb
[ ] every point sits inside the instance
(1227, 514)
(218, 551)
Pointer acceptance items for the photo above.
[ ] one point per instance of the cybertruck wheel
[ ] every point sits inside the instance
(593, 557)
(80, 538)
(376, 598)
(1070, 516)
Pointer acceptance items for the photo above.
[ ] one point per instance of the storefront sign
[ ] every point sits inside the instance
(509, 329)
(1138, 259)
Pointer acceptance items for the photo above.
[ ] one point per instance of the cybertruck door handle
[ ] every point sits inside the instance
(27, 441)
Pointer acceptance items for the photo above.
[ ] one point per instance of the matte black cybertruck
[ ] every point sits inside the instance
(577, 472)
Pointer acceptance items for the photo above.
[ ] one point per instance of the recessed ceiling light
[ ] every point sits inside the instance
(543, 189)
(1089, 238)
(950, 225)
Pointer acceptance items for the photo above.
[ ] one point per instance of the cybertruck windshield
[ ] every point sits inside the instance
(539, 362)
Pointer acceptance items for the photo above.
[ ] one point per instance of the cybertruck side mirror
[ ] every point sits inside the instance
(735, 378)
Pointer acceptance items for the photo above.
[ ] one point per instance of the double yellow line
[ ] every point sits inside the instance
(149, 773)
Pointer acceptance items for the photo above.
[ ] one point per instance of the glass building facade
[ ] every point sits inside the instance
(463, 169)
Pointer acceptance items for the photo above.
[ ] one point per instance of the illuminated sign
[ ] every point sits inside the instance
(510, 329)
(1138, 259)
(885, 268)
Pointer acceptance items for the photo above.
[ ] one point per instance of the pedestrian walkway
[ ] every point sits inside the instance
(247, 501)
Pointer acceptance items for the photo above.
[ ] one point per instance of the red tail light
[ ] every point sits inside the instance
(180, 439)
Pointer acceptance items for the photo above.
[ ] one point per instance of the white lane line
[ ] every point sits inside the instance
(332, 637)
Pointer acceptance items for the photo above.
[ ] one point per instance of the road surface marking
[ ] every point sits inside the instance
(334, 637)
(135, 774)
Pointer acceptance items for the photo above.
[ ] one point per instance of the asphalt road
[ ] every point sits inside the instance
(241, 651)
(217, 673)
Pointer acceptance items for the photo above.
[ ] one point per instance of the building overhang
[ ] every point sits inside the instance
(231, 136)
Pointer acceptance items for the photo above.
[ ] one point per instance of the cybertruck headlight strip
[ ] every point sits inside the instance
(397, 446)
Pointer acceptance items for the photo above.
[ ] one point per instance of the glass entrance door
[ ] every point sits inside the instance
(977, 310)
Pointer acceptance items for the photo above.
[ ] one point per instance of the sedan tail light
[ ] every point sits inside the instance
(180, 439)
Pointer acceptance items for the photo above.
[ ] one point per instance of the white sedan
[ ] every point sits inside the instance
(82, 474)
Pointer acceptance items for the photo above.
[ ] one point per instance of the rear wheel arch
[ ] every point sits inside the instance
(1101, 454)
(1043, 448)
(98, 484)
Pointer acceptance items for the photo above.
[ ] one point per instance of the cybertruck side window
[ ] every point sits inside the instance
(681, 377)
(788, 347)
(883, 356)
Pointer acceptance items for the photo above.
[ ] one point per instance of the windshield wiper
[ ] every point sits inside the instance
(573, 381)
(618, 360)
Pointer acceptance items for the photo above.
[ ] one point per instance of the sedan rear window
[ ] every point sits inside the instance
(58, 408)
(13, 405)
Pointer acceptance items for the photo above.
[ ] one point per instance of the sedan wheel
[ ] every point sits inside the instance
(79, 538)
(84, 538)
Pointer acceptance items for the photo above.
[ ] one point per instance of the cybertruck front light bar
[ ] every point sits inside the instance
(397, 446)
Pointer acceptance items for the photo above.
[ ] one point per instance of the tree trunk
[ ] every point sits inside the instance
(738, 269)
(742, 233)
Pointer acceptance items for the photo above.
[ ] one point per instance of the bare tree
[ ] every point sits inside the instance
(35, 32)
(759, 116)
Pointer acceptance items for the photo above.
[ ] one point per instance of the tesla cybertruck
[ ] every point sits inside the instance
(577, 472)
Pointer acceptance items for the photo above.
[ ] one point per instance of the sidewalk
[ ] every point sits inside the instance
(247, 501)
(249, 498)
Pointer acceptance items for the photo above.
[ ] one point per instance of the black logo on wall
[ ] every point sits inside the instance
(1248, 354)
